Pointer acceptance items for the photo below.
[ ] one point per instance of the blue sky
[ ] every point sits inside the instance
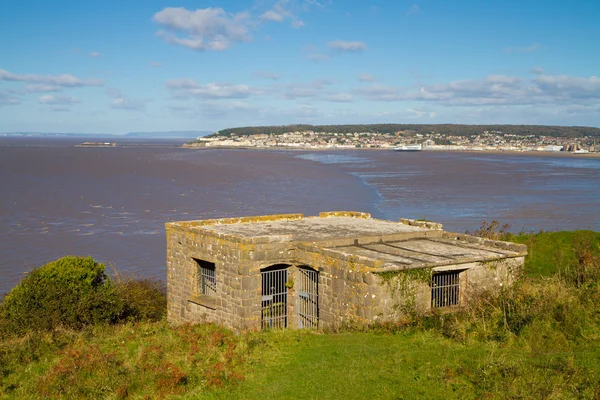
(119, 66)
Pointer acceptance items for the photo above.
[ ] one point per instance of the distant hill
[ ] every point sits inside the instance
(56, 134)
(169, 134)
(151, 135)
(448, 129)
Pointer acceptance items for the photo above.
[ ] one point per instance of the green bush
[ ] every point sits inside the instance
(70, 292)
(143, 299)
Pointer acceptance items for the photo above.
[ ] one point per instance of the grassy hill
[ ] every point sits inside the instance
(537, 340)
(448, 129)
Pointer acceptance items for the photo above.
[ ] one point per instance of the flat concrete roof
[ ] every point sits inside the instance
(426, 252)
(314, 229)
(384, 245)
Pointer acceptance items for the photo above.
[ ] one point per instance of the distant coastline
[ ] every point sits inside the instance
(428, 150)
(579, 141)
(97, 144)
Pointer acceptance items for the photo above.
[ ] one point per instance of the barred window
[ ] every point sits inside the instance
(207, 279)
(445, 288)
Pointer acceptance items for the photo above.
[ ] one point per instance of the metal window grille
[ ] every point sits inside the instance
(207, 278)
(274, 298)
(445, 288)
(308, 299)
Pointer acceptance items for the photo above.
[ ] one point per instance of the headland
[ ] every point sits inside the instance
(513, 139)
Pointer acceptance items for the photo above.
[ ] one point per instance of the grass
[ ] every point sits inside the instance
(119, 361)
(549, 251)
(415, 365)
(154, 361)
(360, 365)
(538, 340)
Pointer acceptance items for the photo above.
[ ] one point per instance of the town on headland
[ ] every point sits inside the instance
(445, 137)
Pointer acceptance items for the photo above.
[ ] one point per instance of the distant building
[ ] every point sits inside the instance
(553, 148)
(291, 271)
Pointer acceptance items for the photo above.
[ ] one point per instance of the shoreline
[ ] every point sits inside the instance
(319, 149)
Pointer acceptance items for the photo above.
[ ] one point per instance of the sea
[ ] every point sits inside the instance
(112, 203)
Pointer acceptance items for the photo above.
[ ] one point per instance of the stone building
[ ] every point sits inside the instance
(292, 271)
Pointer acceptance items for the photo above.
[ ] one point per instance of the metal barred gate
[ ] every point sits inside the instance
(274, 298)
(308, 299)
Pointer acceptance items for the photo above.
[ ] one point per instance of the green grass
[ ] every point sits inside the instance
(361, 365)
(549, 251)
(151, 359)
(538, 340)
(414, 365)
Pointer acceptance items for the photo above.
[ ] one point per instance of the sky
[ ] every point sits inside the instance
(108, 66)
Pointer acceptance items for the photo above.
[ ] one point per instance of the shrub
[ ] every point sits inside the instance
(70, 292)
(143, 299)
(584, 269)
(492, 231)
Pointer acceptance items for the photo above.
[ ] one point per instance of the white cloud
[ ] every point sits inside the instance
(526, 49)
(186, 88)
(320, 83)
(414, 113)
(414, 10)
(7, 99)
(317, 57)
(380, 92)
(216, 110)
(122, 103)
(62, 100)
(178, 108)
(95, 54)
(318, 89)
(284, 115)
(155, 64)
(578, 109)
(61, 109)
(267, 75)
(537, 70)
(42, 88)
(321, 4)
(533, 114)
(204, 29)
(345, 46)
(311, 89)
(569, 87)
(114, 92)
(364, 77)
(272, 15)
(298, 23)
(214, 92)
(220, 109)
(281, 11)
(66, 80)
(496, 90)
(338, 97)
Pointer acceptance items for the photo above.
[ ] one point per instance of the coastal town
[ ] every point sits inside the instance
(405, 140)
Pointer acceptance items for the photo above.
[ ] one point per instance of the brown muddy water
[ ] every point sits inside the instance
(112, 203)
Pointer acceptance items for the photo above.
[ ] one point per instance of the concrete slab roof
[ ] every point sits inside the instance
(378, 244)
(427, 252)
(314, 229)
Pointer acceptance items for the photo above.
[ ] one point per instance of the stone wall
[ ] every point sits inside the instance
(237, 262)
(404, 292)
(349, 292)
